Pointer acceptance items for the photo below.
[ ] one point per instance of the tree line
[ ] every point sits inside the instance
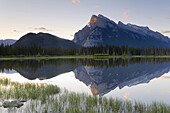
(111, 50)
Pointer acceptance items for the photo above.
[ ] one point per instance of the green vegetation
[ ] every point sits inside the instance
(101, 54)
(36, 51)
(15, 90)
(45, 98)
(80, 57)
(82, 103)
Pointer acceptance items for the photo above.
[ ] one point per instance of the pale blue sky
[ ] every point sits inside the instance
(65, 17)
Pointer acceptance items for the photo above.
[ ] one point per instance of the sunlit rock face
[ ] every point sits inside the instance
(103, 31)
(103, 80)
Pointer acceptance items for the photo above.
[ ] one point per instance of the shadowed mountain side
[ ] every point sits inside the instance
(45, 72)
(103, 80)
(44, 40)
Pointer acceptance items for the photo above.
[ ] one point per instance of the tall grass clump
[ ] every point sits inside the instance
(15, 90)
(45, 98)
(81, 103)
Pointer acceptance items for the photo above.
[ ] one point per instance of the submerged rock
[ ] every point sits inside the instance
(22, 100)
(15, 103)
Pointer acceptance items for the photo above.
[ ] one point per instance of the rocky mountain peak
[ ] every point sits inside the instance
(93, 19)
(103, 31)
(100, 21)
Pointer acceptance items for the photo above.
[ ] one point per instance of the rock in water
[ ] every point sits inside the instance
(8, 104)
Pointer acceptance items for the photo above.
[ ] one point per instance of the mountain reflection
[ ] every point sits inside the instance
(101, 76)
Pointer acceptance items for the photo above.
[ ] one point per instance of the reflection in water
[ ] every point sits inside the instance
(155, 90)
(102, 80)
(101, 76)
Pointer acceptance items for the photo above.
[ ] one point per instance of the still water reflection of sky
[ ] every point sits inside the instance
(156, 90)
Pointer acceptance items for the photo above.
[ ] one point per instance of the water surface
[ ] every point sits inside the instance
(136, 79)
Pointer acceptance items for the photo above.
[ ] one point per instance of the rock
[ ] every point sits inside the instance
(8, 104)
(22, 100)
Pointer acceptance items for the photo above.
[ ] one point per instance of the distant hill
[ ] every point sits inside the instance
(7, 42)
(45, 40)
(103, 31)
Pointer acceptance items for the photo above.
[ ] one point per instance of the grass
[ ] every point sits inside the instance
(15, 90)
(45, 98)
(101, 56)
(81, 103)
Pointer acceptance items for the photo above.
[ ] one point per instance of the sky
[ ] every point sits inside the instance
(64, 18)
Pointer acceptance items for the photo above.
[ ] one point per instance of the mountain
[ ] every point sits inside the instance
(103, 31)
(45, 40)
(7, 42)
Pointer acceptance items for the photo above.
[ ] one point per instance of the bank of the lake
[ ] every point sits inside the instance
(76, 57)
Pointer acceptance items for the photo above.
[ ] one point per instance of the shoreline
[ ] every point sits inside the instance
(79, 57)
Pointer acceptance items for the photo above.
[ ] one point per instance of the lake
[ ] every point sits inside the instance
(143, 80)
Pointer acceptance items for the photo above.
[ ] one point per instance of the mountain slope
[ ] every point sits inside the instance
(103, 31)
(44, 40)
(7, 42)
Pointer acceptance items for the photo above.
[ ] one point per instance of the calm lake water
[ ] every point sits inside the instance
(137, 79)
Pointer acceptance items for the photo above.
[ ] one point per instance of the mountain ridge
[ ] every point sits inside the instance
(103, 31)
(7, 42)
(44, 40)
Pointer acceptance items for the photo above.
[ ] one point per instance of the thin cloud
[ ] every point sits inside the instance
(76, 1)
(72, 35)
(15, 31)
(148, 91)
(168, 18)
(168, 91)
(38, 28)
(125, 14)
(148, 18)
(97, 6)
(164, 77)
(164, 31)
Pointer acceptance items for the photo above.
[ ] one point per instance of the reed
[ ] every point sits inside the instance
(15, 90)
(44, 98)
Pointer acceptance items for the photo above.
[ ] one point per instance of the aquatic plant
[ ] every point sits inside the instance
(15, 90)
(45, 98)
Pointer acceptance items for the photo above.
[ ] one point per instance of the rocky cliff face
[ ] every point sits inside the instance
(103, 31)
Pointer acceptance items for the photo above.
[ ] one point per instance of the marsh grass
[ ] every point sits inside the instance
(43, 98)
(15, 90)
(67, 102)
